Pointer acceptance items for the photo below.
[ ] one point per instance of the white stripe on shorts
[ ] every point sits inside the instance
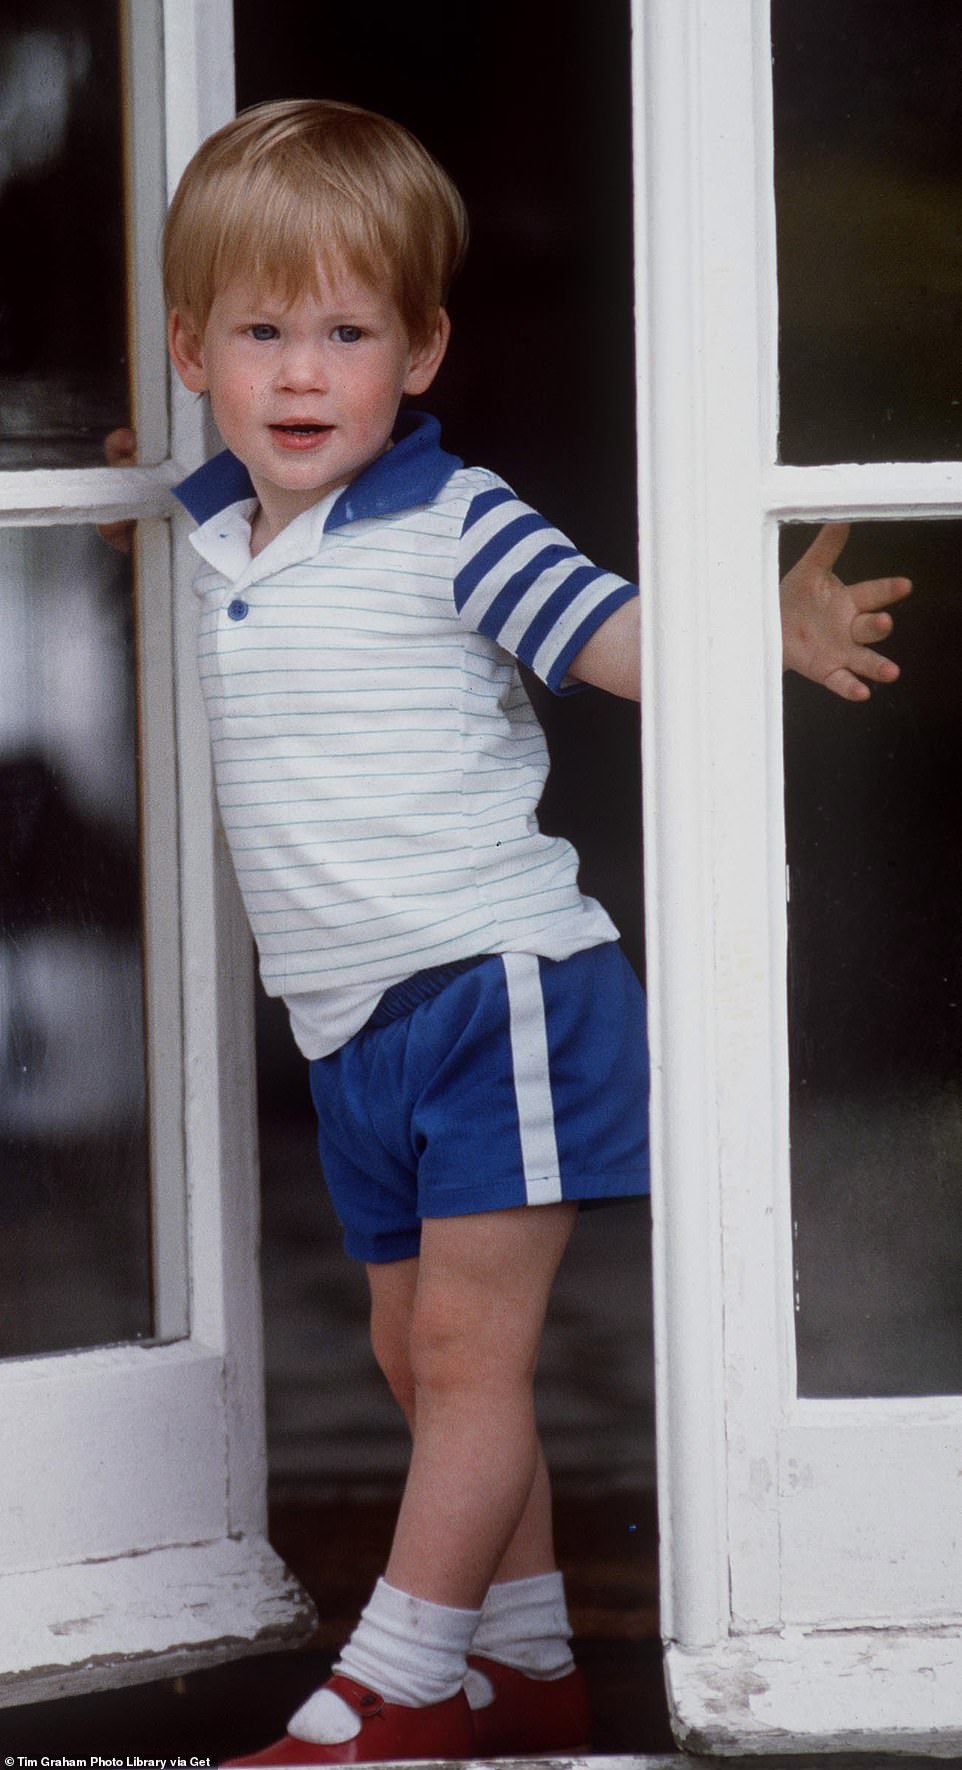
(532, 1086)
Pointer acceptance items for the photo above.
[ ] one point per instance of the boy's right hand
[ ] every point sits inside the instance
(120, 450)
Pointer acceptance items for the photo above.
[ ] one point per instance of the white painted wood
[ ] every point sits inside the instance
(173, 1609)
(742, 714)
(687, 1277)
(145, 135)
(85, 494)
(775, 1513)
(869, 1691)
(901, 489)
(623, 1761)
(110, 1467)
(198, 76)
(220, 1114)
(870, 1504)
(133, 1479)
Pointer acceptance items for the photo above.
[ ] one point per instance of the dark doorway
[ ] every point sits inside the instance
(528, 107)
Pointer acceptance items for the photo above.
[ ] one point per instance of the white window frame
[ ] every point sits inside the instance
(811, 1579)
(133, 1481)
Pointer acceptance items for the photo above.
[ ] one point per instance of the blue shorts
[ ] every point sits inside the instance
(513, 1081)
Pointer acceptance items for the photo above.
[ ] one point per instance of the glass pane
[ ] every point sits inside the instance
(63, 326)
(74, 1187)
(875, 984)
(868, 162)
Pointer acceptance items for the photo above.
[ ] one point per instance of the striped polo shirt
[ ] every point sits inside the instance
(378, 763)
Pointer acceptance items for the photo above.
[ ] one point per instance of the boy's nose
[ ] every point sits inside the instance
(302, 369)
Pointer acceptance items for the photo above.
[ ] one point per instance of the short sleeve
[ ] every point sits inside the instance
(523, 585)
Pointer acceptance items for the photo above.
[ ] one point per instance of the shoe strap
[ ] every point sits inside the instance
(365, 1703)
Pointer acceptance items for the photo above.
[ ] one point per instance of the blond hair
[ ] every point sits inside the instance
(291, 185)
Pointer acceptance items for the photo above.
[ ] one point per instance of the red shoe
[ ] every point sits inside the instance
(530, 1715)
(390, 1733)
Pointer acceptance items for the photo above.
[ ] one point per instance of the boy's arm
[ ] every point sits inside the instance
(828, 629)
(612, 657)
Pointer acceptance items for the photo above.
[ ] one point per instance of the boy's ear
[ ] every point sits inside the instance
(186, 348)
(427, 358)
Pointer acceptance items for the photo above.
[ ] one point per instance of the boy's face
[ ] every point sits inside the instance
(304, 394)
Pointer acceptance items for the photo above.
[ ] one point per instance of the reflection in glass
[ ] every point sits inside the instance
(875, 993)
(63, 328)
(868, 172)
(74, 1187)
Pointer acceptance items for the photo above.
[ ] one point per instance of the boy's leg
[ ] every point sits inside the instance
(493, 1274)
(476, 1497)
(482, 1290)
(393, 1290)
(472, 1309)
(522, 1684)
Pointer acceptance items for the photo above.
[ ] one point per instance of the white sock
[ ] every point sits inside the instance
(407, 1649)
(524, 1624)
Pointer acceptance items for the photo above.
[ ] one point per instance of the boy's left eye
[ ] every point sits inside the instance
(347, 334)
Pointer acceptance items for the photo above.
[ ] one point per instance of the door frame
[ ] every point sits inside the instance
(134, 1480)
(784, 1627)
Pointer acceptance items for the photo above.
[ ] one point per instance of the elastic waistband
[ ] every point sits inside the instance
(402, 998)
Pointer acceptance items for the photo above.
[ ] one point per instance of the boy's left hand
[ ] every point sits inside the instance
(120, 450)
(829, 628)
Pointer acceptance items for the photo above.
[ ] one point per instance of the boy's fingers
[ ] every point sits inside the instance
(876, 667)
(849, 686)
(827, 545)
(869, 628)
(879, 592)
(119, 535)
(120, 447)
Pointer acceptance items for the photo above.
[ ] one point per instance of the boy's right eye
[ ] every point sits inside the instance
(262, 333)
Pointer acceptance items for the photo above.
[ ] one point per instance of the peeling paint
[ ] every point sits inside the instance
(184, 1653)
(760, 1478)
(796, 1691)
(76, 1625)
(733, 1691)
(799, 1476)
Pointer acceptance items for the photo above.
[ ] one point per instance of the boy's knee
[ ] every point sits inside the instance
(449, 1350)
(394, 1361)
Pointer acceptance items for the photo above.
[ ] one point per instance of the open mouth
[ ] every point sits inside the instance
(300, 436)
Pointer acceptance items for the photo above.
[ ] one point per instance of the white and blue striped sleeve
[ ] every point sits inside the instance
(523, 585)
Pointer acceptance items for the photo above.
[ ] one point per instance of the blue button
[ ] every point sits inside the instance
(238, 610)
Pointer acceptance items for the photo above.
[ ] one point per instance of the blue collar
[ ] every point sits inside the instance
(410, 473)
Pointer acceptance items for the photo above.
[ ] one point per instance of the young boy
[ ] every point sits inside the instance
(476, 1040)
